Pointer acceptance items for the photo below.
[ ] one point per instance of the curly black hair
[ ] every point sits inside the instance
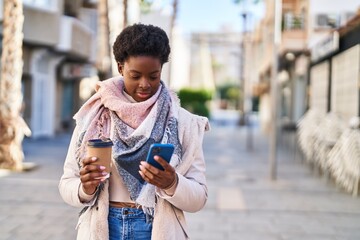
(142, 40)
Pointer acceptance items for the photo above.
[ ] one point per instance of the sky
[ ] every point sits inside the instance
(213, 15)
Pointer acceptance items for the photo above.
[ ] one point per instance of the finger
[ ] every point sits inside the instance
(143, 176)
(89, 160)
(91, 169)
(147, 173)
(163, 163)
(152, 181)
(94, 182)
(90, 175)
(161, 180)
(150, 168)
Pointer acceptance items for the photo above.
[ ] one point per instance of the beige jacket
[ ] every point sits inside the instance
(169, 220)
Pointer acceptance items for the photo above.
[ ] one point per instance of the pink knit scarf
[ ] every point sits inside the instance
(111, 95)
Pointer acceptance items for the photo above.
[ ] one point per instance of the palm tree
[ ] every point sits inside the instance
(125, 11)
(103, 56)
(172, 25)
(12, 125)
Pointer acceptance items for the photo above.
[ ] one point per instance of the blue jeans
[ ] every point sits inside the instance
(128, 224)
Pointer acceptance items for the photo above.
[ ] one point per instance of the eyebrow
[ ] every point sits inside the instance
(131, 70)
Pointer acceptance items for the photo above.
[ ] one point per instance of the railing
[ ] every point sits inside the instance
(293, 22)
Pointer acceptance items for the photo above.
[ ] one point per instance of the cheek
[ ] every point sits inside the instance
(155, 84)
(155, 87)
(130, 87)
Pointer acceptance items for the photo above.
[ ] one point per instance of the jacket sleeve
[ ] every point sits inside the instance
(70, 180)
(191, 192)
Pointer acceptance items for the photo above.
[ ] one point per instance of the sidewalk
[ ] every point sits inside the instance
(30, 203)
(243, 203)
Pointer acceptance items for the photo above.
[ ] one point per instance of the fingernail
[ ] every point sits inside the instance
(104, 173)
(102, 168)
(93, 159)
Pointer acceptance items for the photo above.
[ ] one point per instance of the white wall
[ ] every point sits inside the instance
(345, 82)
(337, 7)
(319, 85)
(180, 61)
(162, 20)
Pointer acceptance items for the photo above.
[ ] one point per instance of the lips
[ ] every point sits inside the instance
(143, 94)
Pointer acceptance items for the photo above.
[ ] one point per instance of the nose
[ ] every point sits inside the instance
(144, 83)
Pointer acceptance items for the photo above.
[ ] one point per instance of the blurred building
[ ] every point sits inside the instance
(215, 59)
(318, 83)
(304, 23)
(58, 51)
(334, 69)
(61, 57)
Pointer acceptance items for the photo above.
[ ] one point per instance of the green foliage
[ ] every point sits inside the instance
(191, 95)
(229, 92)
(195, 100)
(229, 95)
(145, 6)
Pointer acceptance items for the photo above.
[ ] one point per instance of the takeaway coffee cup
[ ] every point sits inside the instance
(102, 149)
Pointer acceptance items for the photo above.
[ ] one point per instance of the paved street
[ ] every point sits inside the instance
(243, 203)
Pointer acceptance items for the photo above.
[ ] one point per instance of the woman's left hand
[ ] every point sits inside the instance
(161, 179)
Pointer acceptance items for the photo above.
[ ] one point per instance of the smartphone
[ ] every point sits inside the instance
(162, 150)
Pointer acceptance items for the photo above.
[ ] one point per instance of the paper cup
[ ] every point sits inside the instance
(102, 149)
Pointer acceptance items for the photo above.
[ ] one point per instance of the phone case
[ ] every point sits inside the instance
(160, 149)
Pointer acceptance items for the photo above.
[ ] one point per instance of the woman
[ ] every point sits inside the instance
(138, 201)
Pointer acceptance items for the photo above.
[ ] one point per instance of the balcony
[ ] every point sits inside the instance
(41, 25)
(76, 39)
(294, 35)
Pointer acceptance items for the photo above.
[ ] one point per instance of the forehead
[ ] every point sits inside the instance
(143, 62)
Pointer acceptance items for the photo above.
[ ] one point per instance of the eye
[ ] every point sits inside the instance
(135, 77)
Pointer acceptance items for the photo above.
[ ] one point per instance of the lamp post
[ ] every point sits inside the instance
(242, 119)
(274, 89)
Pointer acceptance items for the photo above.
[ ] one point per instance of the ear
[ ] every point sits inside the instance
(120, 68)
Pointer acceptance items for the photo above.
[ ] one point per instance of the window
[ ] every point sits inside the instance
(43, 4)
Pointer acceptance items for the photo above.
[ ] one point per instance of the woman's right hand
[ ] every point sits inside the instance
(91, 175)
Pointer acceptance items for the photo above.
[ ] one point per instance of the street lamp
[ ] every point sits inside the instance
(245, 117)
(242, 119)
(274, 86)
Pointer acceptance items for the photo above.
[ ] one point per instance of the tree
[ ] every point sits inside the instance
(103, 56)
(12, 126)
(172, 25)
(125, 13)
(145, 6)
